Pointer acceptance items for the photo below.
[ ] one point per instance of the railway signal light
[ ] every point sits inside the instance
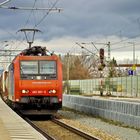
(101, 53)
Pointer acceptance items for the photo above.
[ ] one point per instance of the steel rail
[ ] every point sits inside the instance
(74, 130)
(39, 130)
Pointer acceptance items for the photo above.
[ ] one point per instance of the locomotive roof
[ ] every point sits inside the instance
(36, 51)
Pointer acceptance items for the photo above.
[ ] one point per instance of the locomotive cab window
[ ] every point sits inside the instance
(29, 67)
(38, 70)
(47, 67)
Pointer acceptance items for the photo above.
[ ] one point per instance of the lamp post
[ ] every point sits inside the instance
(133, 55)
(68, 71)
(133, 88)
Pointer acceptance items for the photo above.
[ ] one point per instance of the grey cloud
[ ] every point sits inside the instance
(81, 18)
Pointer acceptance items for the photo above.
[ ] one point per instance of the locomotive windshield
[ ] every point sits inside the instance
(47, 67)
(29, 67)
(38, 70)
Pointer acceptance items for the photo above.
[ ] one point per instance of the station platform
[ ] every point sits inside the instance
(122, 99)
(13, 127)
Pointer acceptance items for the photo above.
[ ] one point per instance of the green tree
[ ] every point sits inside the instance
(112, 68)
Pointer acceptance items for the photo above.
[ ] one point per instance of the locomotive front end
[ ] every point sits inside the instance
(38, 83)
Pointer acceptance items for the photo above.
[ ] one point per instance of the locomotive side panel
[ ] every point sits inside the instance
(10, 82)
(60, 78)
(4, 85)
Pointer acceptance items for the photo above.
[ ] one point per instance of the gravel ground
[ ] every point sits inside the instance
(119, 131)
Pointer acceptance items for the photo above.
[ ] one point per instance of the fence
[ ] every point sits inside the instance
(118, 86)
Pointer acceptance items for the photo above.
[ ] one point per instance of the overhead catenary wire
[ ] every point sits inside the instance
(30, 13)
(29, 8)
(27, 21)
(25, 8)
(53, 8)
(54, 4)
(47, 13)
(133, 37)
(49, 10)
(6, 1)
(124, 28)
(14, 41)
(124, 46)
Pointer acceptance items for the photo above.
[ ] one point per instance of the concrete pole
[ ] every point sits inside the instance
(68, 62)
(108, 51)
(133, 53)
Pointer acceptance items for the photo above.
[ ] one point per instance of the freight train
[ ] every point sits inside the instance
(33, 82)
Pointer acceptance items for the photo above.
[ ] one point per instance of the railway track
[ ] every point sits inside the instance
(44, 133)
(75, 130)
(57, 130)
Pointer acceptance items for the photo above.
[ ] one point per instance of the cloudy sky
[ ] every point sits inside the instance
(98, 21)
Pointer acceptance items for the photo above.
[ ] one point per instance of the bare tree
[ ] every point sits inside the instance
(78, 67)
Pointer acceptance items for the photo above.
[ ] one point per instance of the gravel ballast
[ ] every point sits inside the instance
(123, 133)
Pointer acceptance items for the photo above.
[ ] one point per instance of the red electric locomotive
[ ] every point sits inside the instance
(34, 82)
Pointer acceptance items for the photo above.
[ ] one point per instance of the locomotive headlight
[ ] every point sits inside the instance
(25, 91)
(53, 91)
